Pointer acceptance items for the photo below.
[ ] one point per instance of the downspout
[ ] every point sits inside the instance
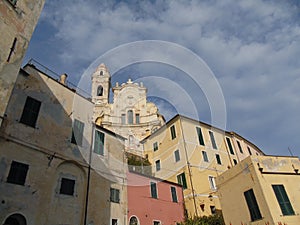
(189, 168)
(88, 178)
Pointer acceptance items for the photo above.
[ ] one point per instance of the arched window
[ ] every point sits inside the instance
(100, 90)
(15, 219)
(101, 73)
(133, 221)
(130, 116)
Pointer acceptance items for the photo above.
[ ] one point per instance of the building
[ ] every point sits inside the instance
(261, 190)
(153, 201)
(57, 166)
(193, 154)
(130, 114)
(17, 22)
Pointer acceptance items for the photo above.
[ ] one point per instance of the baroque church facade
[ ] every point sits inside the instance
(130, 114)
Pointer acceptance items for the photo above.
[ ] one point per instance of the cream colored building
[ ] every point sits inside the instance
(57, 167)
(17, 22)
(261, 190)
(130, 114)
(193, 154)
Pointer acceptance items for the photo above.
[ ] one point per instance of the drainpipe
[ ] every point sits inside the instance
(189, 169)
(88, 178)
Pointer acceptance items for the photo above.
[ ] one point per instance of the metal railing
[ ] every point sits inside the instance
(56, 76)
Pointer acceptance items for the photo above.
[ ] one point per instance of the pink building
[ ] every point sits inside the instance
(152, 201)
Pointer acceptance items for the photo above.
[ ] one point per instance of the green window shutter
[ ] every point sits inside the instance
(153, 190)
(174, 194)
(77, 132)
(230, 146)
(283, 200)
(252, 205)
(182, 180)
(99, 142)
(200, 137)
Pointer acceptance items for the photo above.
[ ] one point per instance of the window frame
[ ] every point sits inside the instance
(218, 158)
(153, 190)
(252, 204)
(283, 200)
(157, 165)
(212, 183)
(137, 118)
(213, 140)
(77, 132)
(181, 179)
(99, 141)
(17, 173)
(177, 155)
(228, 141)
(130, 116)
(200, 136)
(173, 132)
(114, 195)
(240, 147)
(30, 113)
(155, 146)
(205, 156)
(64, 190)
(174, 194)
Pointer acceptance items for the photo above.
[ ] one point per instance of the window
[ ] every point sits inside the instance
(30, 112)
(213, 209)
(177, 156)
(204, 155)
(283, 200)
(101, 73)
(218, 158)
(212, 183)
(200, 136)
(173, 132)
(99, 90)
(157, 165)
(17, 173)
(174, 194)
(115, 195)
(156, 222)
(181, 180)
(123, 119)
(67, 186)
(239, 146)
(234, 161)
(155, 146)
(77, 132)
(133, 221)
(99, 142)
(114, 222)
(130, 116)
(137, 118)
(252, 205)
(212, 139)
(153, 190)
(230, 146)
(249, 150)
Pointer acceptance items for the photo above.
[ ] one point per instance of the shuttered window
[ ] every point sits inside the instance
(252, 205)
(283, 200)
(99, 142)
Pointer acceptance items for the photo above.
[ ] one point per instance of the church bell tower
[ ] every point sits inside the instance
(101, 85)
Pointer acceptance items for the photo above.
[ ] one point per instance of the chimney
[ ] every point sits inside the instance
(63, 79)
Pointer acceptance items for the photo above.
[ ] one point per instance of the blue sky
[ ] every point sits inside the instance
(251, 47)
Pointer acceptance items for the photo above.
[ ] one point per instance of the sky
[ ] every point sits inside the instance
(248, 52)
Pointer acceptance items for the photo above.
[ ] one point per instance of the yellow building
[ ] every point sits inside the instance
(17, 22)
(261, 190)
(193, 154)
(57, 167)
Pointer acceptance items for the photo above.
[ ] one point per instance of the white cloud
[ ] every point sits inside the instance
(253, 48)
